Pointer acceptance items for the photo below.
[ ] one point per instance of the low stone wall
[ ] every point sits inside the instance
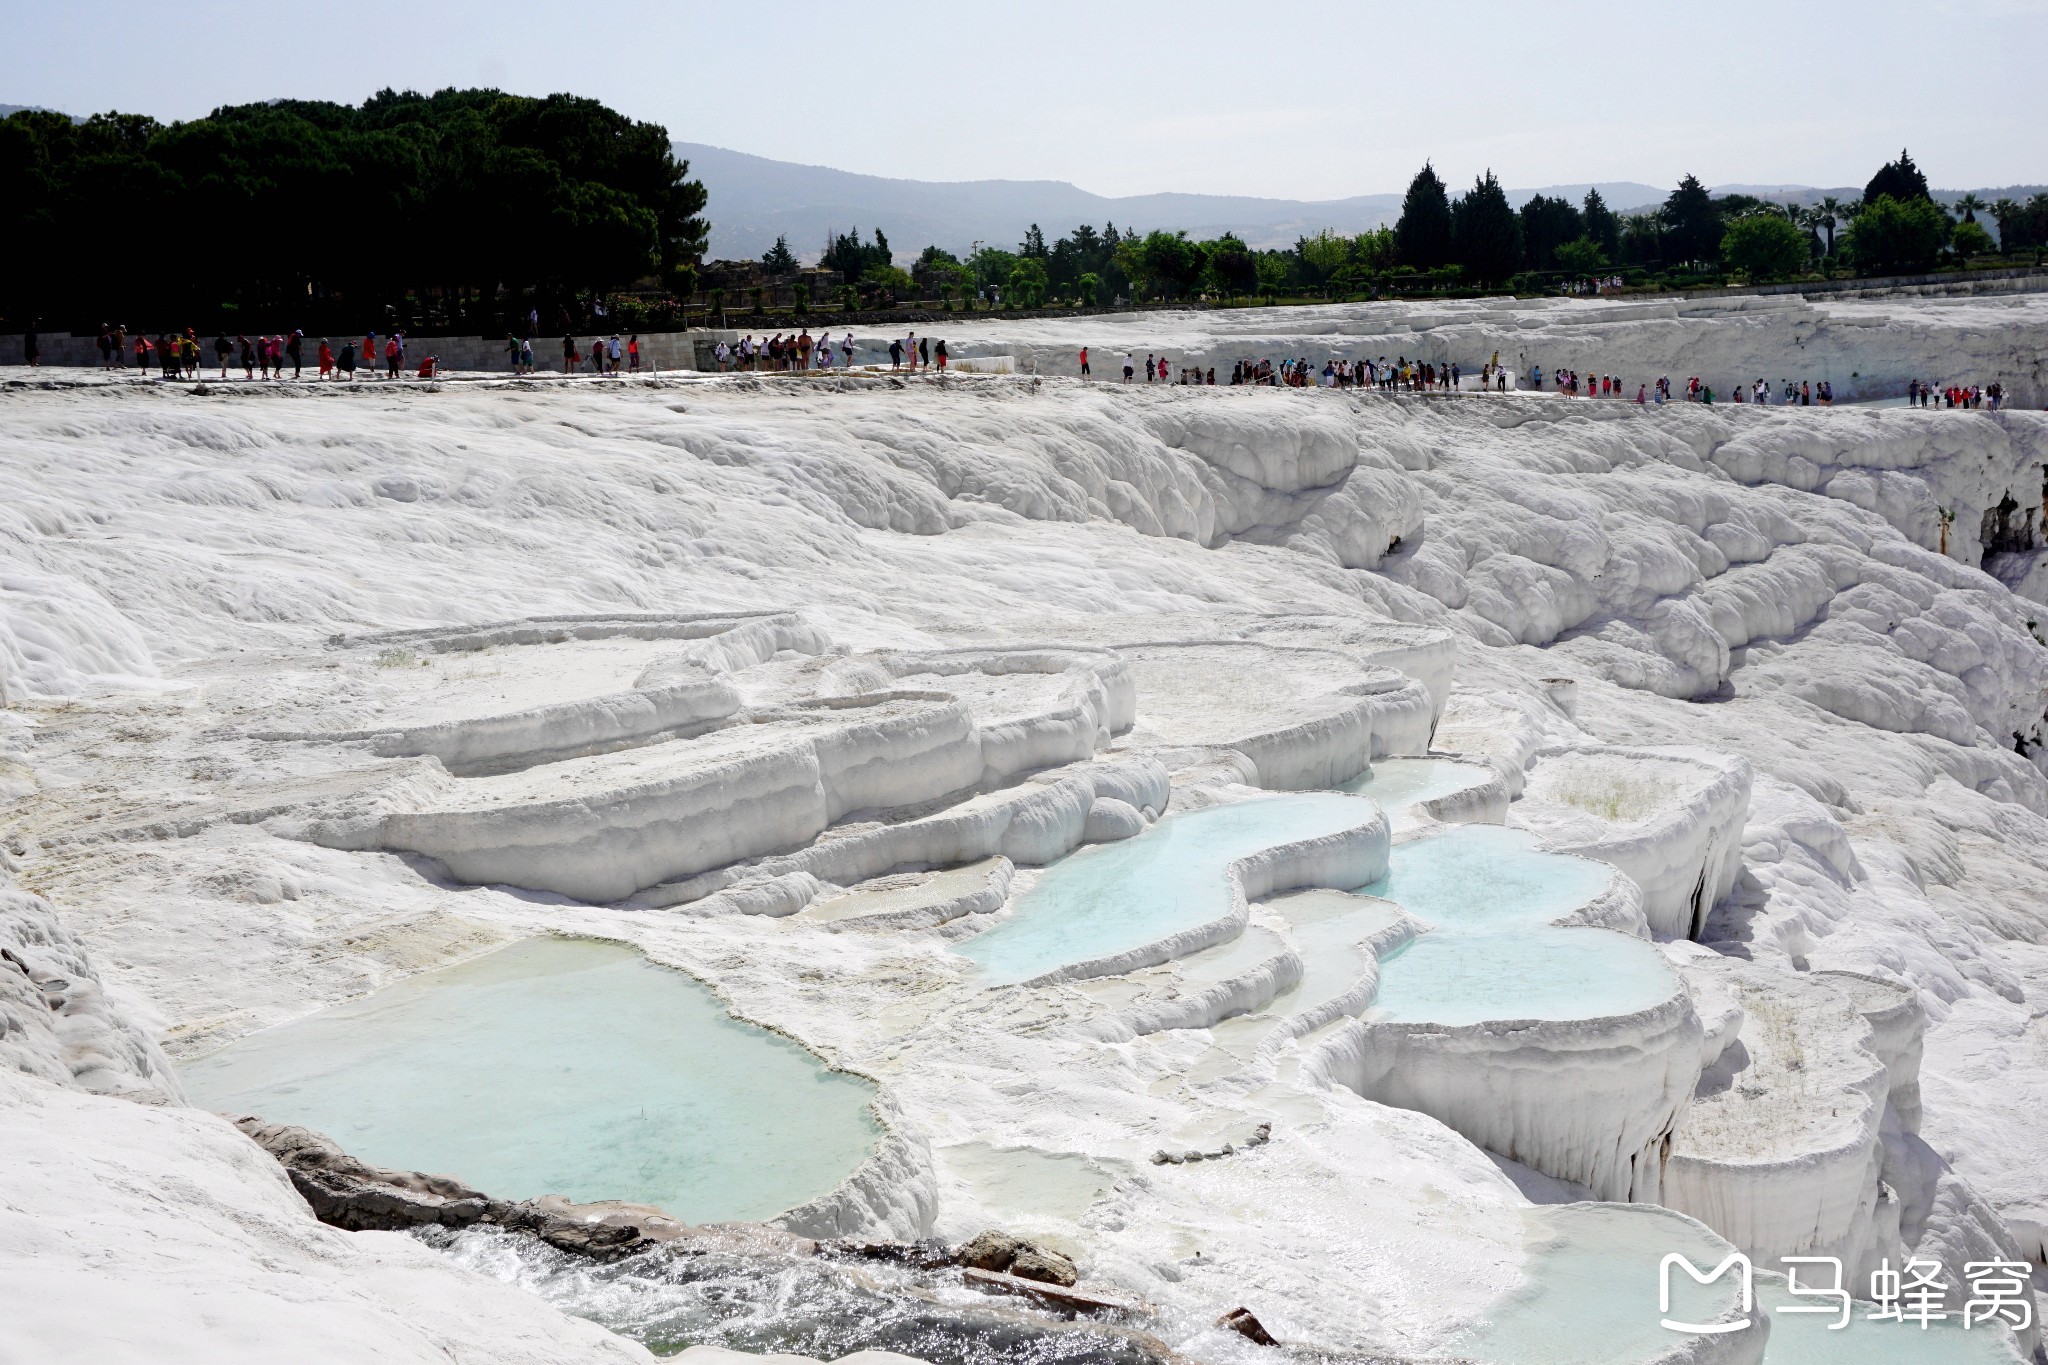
(658, 351)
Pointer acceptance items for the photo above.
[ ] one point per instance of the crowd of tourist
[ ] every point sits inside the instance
(1920, 394)
(1402, 375)
(182, 355)
(781, 354)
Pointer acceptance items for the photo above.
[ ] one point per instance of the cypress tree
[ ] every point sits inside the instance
(1601, 224)
(1900, 179)
(1692, 225)
(1486, 238)
(1422, 238)
(1548, 224)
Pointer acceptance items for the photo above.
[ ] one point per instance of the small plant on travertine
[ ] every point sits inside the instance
(1620, 797)
(396, 658)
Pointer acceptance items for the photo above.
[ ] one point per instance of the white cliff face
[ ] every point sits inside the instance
(799, 687)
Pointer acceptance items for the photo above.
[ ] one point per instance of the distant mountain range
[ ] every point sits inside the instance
(754, 200)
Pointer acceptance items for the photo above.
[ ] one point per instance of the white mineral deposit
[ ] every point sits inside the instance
(1397, 864)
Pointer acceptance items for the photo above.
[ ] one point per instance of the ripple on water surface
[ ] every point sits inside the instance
(559, 1066)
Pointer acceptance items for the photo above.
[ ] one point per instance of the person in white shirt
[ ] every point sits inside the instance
(846, 349)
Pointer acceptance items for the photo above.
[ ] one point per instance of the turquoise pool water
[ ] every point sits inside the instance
(1455, 979)
(1589, 1294)
(1114, 897)
(1489, 895)
(1807, 1339)
(559, 1066)
(1487, 878)
(1398, 783)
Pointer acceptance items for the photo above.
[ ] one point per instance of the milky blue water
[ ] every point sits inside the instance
(1521, 974)
(1808, 1339)
(1109, 898)
(1485, 878)
(1489, 896)
(1589, 1296)
(559, 1066)
(1397, 783)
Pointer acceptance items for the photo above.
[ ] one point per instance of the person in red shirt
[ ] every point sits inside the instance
(326, 358)
(391, 358)
(1084, 362)
(426, 370)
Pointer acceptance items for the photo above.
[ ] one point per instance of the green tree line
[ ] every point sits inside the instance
(1479, 238)
(478, 204)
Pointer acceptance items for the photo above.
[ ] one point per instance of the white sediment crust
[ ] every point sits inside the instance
(1778, 1152)
(1033, 823)
(1683, 853)
(188, 1243)
(1293, 742)
(1776, 586)
(1590, 1101)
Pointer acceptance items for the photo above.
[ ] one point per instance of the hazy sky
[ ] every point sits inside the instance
(1305, 101)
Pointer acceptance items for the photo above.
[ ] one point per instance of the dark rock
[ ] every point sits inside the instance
(346, 1193)
(1258, 1137)
(926, 1255)
(1053, 1296)
(1049, 1267)
(1241, 1321)
(990, 1250)
(351, 1194)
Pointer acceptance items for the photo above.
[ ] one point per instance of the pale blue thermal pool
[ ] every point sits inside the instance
(1398, 783)
(1454, 978)
(559, 1066)
(1111, 898)
(1589, 1292)
(1490, 896)
(1486, 878)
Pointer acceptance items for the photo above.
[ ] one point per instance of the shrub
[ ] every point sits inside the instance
(1764, 246)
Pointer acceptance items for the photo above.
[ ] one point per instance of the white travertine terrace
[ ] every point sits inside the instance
(803, 687)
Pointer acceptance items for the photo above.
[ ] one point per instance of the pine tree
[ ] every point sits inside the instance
(779, 259)
(1486, 238)
(1423, 235)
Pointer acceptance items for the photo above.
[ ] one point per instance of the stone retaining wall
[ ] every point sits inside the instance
(658, 350)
